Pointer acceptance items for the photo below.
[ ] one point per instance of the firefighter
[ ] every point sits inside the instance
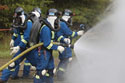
(15, 41)
(66, 56)
(24, 30)
(45, 65)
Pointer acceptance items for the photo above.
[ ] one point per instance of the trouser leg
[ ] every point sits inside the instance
(26, 69)
(39, 78)
(62, 69)
(15, 72)
(8, 71)
(49, 76)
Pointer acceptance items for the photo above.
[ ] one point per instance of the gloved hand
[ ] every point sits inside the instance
(14, 50)
(11, 43)
(60, 49)
(70, 59)
(80, 33)
(44, 72)
(82, 26)
(67, 40)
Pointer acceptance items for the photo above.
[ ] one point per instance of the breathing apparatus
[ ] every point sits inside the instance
(19, 20)
(53, 19)
(34, 14)
(67, 17)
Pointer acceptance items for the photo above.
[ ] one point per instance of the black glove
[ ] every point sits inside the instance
(82, 27)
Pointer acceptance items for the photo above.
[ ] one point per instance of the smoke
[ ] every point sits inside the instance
(100, 53)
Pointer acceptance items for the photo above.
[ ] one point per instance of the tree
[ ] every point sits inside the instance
(7, 15)
(87, 11)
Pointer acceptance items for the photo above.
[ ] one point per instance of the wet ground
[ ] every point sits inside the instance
(29, 79)
(23, 80)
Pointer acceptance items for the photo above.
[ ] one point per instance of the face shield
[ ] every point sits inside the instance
(37, 14)
(54, 21)
(67, 16)
(18, 20)
(22, 17)
(68, 19)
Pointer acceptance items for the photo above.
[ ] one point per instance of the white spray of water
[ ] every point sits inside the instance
(101, 51)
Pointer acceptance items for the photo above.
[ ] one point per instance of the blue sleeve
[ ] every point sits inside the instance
(45, 34)
(26, 35)
(59, 36)
(66, 30)
(15, 34)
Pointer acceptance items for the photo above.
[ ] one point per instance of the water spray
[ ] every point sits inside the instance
(100, 52)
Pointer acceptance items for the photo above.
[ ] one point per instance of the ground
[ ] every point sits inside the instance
(29, 80)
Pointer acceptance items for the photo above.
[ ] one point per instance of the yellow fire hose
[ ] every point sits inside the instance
(20, 55)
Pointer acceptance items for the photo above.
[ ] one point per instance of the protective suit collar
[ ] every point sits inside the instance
(51, 20)
(66, 18)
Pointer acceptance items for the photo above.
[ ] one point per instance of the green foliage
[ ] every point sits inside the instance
(6, 16)
(1, 35)
(4, 46)
(87, 11)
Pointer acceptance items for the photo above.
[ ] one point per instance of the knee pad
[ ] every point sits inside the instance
(12, 65)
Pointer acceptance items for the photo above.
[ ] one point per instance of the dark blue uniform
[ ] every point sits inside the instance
(17, 36)
(45, 59)
(64, 57)
(23, 43)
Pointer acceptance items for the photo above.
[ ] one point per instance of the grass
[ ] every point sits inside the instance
(4, 46)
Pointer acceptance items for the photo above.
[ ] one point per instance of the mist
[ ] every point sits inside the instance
(100, 53)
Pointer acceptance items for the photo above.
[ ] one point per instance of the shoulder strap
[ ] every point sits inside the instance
(65, 22)
(52, 33)
(42, 28)
(34, 33)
